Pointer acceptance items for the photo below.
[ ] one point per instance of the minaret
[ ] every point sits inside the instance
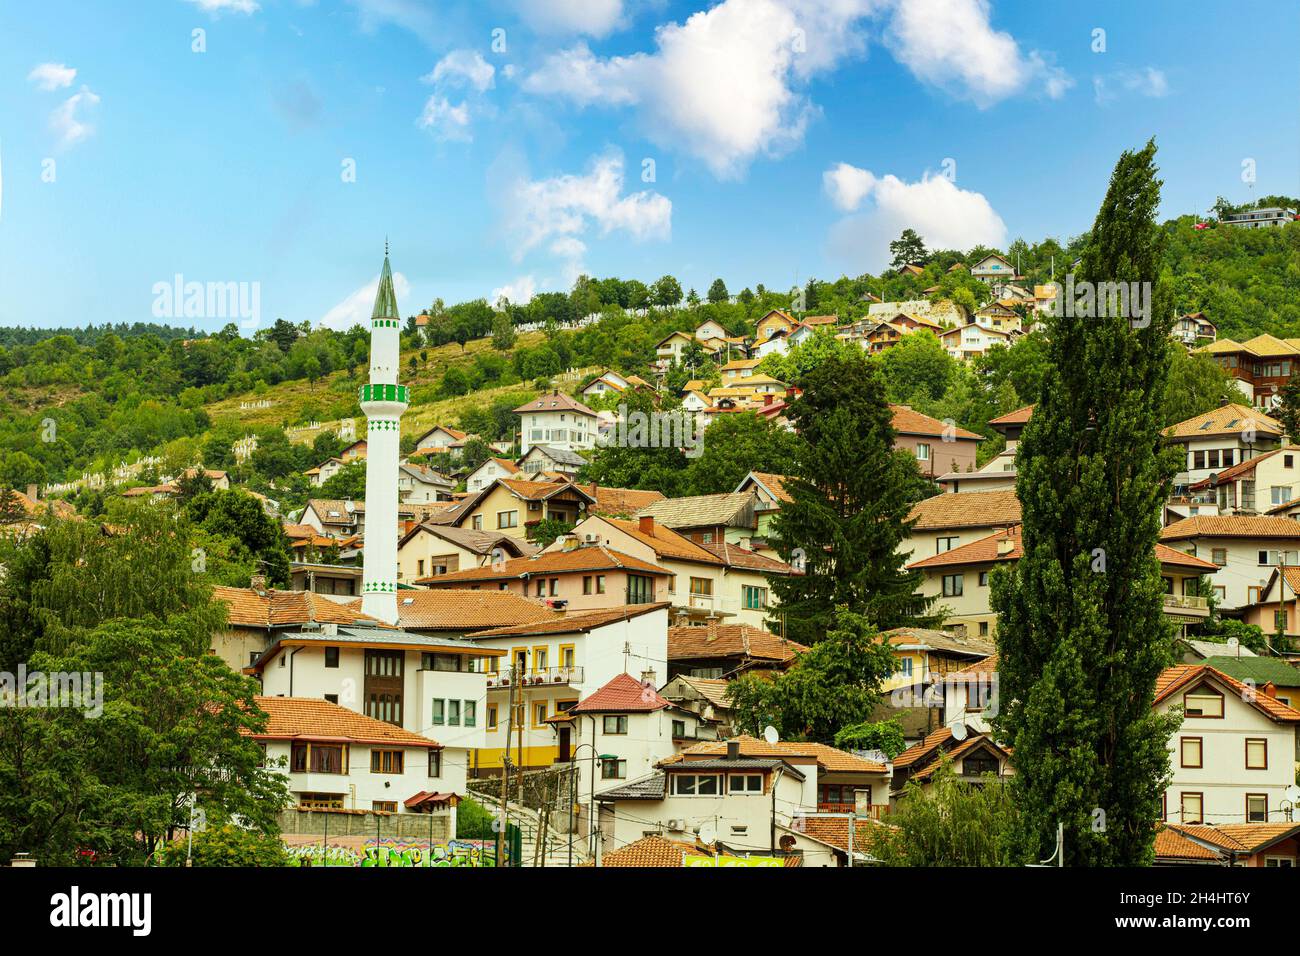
(383, 402)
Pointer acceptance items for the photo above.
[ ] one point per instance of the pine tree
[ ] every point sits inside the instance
(852, 493)
(1288, 410)
(1081, 634)
(718, 292)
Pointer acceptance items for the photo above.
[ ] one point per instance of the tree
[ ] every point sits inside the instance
(666, 292)
(950, 823)
(833, 685)
(346, 484)
(1082, 634)
(237, 515)
(851, 494)
(194, 481)
(907, 250)
(226, 845)
(547, 530)
(718, 292)
(503, 332)
(11, 507)
(884, 735)
(917, 368)
(1288, 410)
(734, 446)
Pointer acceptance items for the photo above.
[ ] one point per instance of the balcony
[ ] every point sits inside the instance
(539, 677)
(875, 811)
(1186, 605)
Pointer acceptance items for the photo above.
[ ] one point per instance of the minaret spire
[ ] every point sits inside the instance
(383, 401)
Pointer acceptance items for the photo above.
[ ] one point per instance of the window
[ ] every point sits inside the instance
(1281, 494)
(1256, 808)
(977, 694)
(507, 519)
(755, 598)
(1279, 861)
(922, 451)
(438, 712)
(952, 585)
(978, 764)
(555, 586)
(945, 544)
(492, 717)
(615, 723)
(539, 714)
(539, 659)
(477, 522)
(586, 584)
(435, 763)
(386, 761)
(679, 729)
(321, 801)
(640, 589)
(1190, 805)
(1256, 753)
(383, 806)
(331, 657)
(1203, 702)
(332, 698)
(984, 579)
(745, 783)
(1190, 752)
(984, 628)
(702, 587)
(905, 667)
(693, 785)
(600, 584)
(1219, 556)
(316, 758)
(453, 713)
(613, 769)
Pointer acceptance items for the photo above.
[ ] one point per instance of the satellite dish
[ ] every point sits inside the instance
(770, 734)
(958, 731)
(1233, 642)
(349, 507)
(708, 835)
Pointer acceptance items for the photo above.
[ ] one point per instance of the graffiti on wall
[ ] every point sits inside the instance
(402, 853)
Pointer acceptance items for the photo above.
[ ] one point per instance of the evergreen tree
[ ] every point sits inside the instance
(1082, 635)
(852, 492)
(1288, 410)
(718, 292)
(907, 250)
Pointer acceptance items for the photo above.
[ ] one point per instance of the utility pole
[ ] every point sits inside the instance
(502, 833)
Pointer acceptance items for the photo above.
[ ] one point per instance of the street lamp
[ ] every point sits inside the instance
(573, 795)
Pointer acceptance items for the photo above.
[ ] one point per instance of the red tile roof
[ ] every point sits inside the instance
(729, 640)
(908, 421)
(574, 622)
(1183, 676)
(1231, 526)
(309, 718)
(829, 759)
(554, 402)
(267, 609)
(596, 558)
(622, 694)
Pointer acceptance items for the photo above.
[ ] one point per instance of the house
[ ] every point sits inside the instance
(944, 522)
(412, 681)
(556, 420)
(743, 789)
(550, 665)
(1260, 672)
(1193, 650)
(706, 696)
(1253, 486)
(999, 315)
(707, 580)
(1246, 549)
(707, 519)
(355, 451)
(670, 348)
(337, 759)
(612, 383)
(1260, 366)
(994, 270)
(572, 578)
(966, 342)
(923, 658)
(999, 472)
(939, 447)
(656, 852)
(776, 343)
(422, 485)
(515, 506)
(735, 371)
(1260, 218)
(1233, 756)
(974, 755)
(324, 471)
(771, 493)
(958, 581)
(1193, 330)
(488, 472)
(710, 329)
(430, 549)
(551, 458)
(772, 322)
(1229, 844)
(439, 440)
(727, 650)
(333, 517)
(1276, 604)
(318, 577)
(1221, 438)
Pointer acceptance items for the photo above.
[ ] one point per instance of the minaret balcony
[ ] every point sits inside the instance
(386, 393)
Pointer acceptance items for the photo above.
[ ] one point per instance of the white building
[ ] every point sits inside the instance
(1220, 438)
(1260, 218)
(1246, 549)
(490, 471)
(556, 420)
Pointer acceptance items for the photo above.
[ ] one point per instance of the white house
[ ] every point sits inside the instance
(421, 486)
(1221, 438)
(965, 342)
(440, 438)
(421, 683)
(337, 759)
(1234, 753)
(1246, 549)
(709, 330)
(490, 471)
(557, 420)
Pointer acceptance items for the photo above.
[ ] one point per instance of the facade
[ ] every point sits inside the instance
(1260, 366)
(431, 549)
(1260, 218)
(944, 522)
(513, 506)
(551, 459)
(1234, 753)
(1245, 548)
(1222, 438)
(939, 447)
(488, 472)
(421, 485)
(440, 439)
(556, 420)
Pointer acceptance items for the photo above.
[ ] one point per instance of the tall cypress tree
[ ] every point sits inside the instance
(852, 492)
(1081, 632)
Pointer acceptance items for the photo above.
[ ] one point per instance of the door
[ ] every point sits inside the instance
(564, 745)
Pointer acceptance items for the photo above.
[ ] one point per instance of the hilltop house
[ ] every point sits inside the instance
(556, 419)
(430, 549)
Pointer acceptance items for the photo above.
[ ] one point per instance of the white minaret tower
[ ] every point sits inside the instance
(383, 402)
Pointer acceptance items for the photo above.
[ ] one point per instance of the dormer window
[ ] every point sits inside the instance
(1204, 701)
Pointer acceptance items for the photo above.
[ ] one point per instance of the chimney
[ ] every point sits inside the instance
(733, 749)
(568, 542)
(1005, 546)
(258, 584)
(712, 629)
(646, 524)
(767, 399)
(648, 679)
(1270, 690)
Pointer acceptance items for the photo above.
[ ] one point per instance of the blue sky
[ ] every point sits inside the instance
(502, 145)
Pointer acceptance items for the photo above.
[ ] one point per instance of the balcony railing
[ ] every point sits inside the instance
(875, 810)
(1187, 602)
(538, 677)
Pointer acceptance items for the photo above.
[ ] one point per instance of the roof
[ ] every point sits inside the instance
(1235, 471)
(1182, 676)
(310, 718)
(712, 689)
(1019, 417)
(453, 609)
(734, 556)
(701, 510)
(1231, 526)
(666, 542)
(964, 747)
(908, 421)
(923, 748)
(967, 509)
(1238, 837)
(561, 456)
(622, 694)
(268, 609)
(535, 490)
(554, 402)
(834, 831)
(479, 542)
(652, 851)
(1213, 648)
(930, 639)
(579, 622)
(989, 549)
(734, 763)
(773, 483)
(729, 640)
(1172, 845)
(618, 501)
(589, 558)
(1259, 670)
(829, 759)
(651, 787)
(385, 297)
(1225, 420)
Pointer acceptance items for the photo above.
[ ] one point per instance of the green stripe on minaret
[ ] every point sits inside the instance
(385, 297)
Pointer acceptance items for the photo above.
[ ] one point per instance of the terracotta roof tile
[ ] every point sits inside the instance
(1182, 676)
(773, 483)
(1019, 417)
(652, 851)
(453, 609)
(268, 609)
(574, 622)
(666, 542)
(555, 402)
(596, 558)
(829, 759)
(908, 421)
(1226, 420)
(1231, 526)
(967, 509)
(1172, 845)
(923, 748)
(1239, 837)
(729, 640)
(990, 549)
(622, 694)
(307, 718)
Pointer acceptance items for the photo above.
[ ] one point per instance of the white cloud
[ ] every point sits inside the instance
(952, 45)
(847, 185)
(356, 308)
(519, 292)
(462, 68)
(447, 120)
(557, 213)
(67, 119)
(223, 6)
(52, 76)
(721, 85)
(596, 18)
(1147, 81)
(415, 16)
(945, 216)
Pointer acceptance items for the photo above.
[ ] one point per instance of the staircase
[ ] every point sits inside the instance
(556, 850)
